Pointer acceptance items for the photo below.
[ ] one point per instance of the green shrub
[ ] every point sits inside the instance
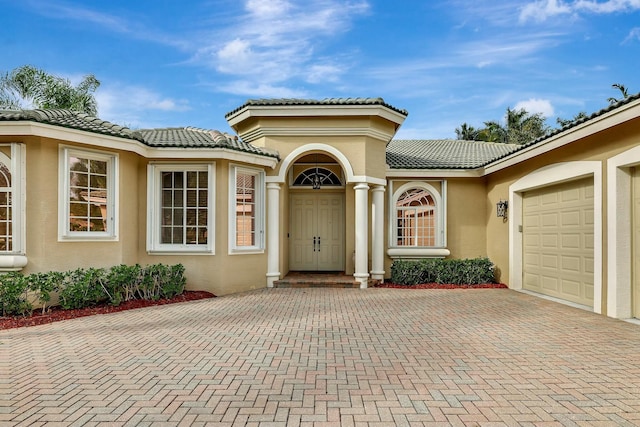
(84, 288)
(14, 298)
(443, 271)
(87, 287)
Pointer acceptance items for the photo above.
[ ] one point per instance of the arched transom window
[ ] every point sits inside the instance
(317, 176)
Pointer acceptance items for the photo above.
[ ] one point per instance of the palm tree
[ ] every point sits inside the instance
(566, 122)
(27, 86)
(623, 92)
(466, 132)
(521, 127)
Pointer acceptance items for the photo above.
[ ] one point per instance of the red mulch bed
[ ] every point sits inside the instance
(443, 286)
(56, 313)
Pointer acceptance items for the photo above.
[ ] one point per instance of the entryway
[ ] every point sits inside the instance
(316, 236)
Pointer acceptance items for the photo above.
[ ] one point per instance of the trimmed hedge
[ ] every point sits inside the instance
(443, 271)
(86, 287)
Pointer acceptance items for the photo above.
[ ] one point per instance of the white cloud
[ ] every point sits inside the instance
(279, 40)
(541, 10)
(634, 34)
(123, 104)
(609, 6)
(535, 106)
(261, 90)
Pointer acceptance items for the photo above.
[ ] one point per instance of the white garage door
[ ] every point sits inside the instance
(558, 241)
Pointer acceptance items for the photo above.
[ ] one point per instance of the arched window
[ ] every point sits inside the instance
(417, 217)
(6, 209)
(317, 176)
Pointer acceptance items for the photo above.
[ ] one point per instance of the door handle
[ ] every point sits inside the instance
(314, 243)
(318, 243)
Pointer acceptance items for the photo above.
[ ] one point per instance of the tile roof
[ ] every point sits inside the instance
(170, 137)
(70, 119)
(444, 153)
(190, 137)
(312, 102)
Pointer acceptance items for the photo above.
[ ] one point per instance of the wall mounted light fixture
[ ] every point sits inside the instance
(501, 208)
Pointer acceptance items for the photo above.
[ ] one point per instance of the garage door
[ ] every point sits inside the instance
(558, 241)
(635, 235)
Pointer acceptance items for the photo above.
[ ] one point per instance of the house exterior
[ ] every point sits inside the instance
(322, 185)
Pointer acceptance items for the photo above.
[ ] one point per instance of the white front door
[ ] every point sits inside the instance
(317, 232)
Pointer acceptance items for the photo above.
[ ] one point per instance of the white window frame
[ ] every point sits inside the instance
(16, 165)
(259, 174)
(154, 209)
(439, 249)
(64, 234)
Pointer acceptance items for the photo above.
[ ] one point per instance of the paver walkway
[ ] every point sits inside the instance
(327, 357)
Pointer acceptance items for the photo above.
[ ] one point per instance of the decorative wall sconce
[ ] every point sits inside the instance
(501, 208)
(315, 181)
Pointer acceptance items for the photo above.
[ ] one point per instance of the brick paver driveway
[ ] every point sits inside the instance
(328, 357)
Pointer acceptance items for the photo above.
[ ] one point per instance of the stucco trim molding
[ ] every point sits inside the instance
(619, 229)
(543, 177)
(12, 262)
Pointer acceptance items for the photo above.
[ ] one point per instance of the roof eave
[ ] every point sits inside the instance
(43, 130)
(434, 173)
(251, 111)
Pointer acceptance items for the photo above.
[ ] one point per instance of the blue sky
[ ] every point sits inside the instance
(174, 63)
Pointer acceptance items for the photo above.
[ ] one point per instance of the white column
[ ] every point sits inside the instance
(273, 233)
(377, 233)
(362, 229)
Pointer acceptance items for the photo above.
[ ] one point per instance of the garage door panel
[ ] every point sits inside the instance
(571, 241)
(571, 219)
(571, 287)
(558, 241)
(549, 220)
(572, 263)
(550, 261)
(549, 283)
(548, 199)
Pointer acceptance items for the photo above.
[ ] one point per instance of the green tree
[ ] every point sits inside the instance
(29, 86)
(623, 92)
(466, 132)
(523, 127)
(566, 122)
(520, 127)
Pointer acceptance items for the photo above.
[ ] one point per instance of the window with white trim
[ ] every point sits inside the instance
(246, 187)
(180, 208)
(88, 200)
(417, 215)
(11, 199)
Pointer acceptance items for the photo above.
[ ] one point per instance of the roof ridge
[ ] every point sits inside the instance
(309, 101)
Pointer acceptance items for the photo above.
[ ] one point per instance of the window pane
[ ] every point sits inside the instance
(88, 197)
(245, 210)
(184, 207)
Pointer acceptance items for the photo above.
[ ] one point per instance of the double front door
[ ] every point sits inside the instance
(317, 232)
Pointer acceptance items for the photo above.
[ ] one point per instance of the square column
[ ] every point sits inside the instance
(377, 233)
(362, 229)
(273, 233)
